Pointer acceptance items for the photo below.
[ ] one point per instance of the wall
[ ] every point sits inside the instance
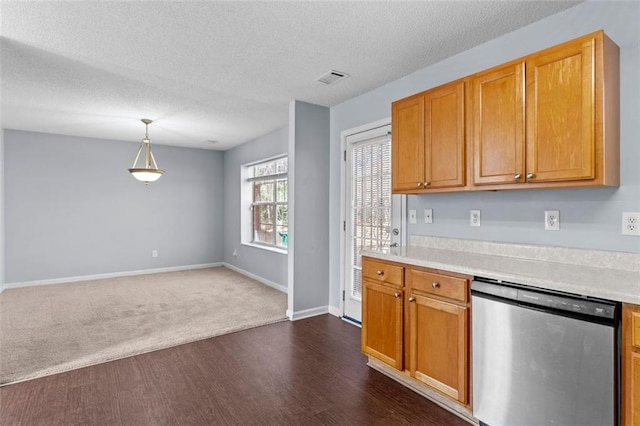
(267, 265)
(308, 209)
(590, 218)
(72, 209)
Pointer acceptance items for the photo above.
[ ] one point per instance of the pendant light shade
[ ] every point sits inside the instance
(148, 171)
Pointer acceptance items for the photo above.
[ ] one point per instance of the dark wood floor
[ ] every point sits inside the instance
(308, 372)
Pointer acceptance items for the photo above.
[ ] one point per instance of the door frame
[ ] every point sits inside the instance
(343, 203)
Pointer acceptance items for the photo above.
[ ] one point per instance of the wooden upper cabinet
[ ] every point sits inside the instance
(498, 125)
(428, 140)
(407, 141)
(444, 131)
(561, 108)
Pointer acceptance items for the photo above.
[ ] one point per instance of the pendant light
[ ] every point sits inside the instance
(150, 171)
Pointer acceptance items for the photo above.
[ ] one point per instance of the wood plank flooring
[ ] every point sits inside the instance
(308, 372)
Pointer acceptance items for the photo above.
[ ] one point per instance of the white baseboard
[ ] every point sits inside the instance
(109, 275)
(335, 311)
(256, 277)
(307, 313)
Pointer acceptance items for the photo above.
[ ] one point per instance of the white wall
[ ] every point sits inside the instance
(590, 217)
(72, 209)
(268, 265)
(308, 209)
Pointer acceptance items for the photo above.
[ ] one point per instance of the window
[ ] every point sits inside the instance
(269, 205)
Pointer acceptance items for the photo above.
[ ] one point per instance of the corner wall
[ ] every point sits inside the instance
(2, 268)
(590, 217)
(308, 210)
(72, 209)
(263, 264)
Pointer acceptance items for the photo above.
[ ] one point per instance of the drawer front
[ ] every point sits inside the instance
(382, 272)
(440, 285)
(635, 329)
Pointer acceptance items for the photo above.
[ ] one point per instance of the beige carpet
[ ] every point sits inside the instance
(55, 328)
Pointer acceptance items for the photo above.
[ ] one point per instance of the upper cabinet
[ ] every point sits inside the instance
(428, 140)
(550, 119)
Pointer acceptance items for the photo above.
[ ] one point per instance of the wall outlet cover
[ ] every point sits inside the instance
(631, 223)
(552, 220)
(474, 217)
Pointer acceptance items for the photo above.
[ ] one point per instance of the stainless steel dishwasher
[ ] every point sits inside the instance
(542, 357)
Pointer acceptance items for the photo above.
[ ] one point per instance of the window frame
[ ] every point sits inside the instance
(273, 205)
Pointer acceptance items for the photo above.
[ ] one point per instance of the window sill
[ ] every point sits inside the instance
(267, 248)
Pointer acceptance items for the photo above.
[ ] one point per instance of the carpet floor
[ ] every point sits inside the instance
(54, 328)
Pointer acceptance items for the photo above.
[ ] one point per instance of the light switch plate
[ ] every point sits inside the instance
(412, 216)
(474, 217)
(428, 215)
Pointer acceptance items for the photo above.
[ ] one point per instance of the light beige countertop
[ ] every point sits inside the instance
(606, 275)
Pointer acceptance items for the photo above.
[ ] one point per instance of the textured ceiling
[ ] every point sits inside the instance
(222, 71)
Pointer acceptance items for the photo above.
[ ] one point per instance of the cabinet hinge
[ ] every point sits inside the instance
(345, 155)
(343, 295)
(344, 225)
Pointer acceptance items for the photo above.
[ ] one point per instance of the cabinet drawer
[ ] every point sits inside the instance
(635, 329)
(440, 285)
(382, 272)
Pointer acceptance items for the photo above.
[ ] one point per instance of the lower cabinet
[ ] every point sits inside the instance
(418, 323)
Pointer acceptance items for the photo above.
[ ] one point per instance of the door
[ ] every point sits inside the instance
(382, 328)
(373, 214)
(438, 345)
(408, 143)
(561, 113)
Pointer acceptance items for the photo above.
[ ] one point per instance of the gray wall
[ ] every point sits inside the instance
(72, 208)
(308, 207)
(590, 218)
(266, 264)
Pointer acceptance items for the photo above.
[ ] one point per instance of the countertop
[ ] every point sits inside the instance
(605, 282)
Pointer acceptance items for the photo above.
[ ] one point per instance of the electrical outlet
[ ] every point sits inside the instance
(428, 215)
(631, 223)
(552, 220)
(154, 253)
(235, 252)
(412, 216)
(474, 217)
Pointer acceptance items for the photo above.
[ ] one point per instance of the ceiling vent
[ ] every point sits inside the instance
(332, 77)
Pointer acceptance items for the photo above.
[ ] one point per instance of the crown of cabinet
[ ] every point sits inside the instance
(549, 119)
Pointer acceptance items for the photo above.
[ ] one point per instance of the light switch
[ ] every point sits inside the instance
(428, 215)
(412, 216)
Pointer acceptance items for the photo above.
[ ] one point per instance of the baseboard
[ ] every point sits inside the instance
(256, 277)
(110, 275)
(335, 311)
(307, 313)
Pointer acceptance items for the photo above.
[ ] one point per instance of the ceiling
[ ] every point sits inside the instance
(220, 71)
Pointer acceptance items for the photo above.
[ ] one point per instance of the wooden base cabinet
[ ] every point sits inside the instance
(416, 320)
(631, 365)
(382, 311)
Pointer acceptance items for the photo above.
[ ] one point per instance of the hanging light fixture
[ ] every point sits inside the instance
(147, 173)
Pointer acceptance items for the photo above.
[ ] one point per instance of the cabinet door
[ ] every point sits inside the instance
(407, 144)
(382, 323)
(560, 113)
(444, 158)
(438, 345)
(498, 125)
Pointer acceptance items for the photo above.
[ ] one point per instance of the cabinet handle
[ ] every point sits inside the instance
(517, 176)
(426, 184)
(380, 273)
(435, 284)
(419, 184)
(412, 299)
(396, 295)
(530, 175)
